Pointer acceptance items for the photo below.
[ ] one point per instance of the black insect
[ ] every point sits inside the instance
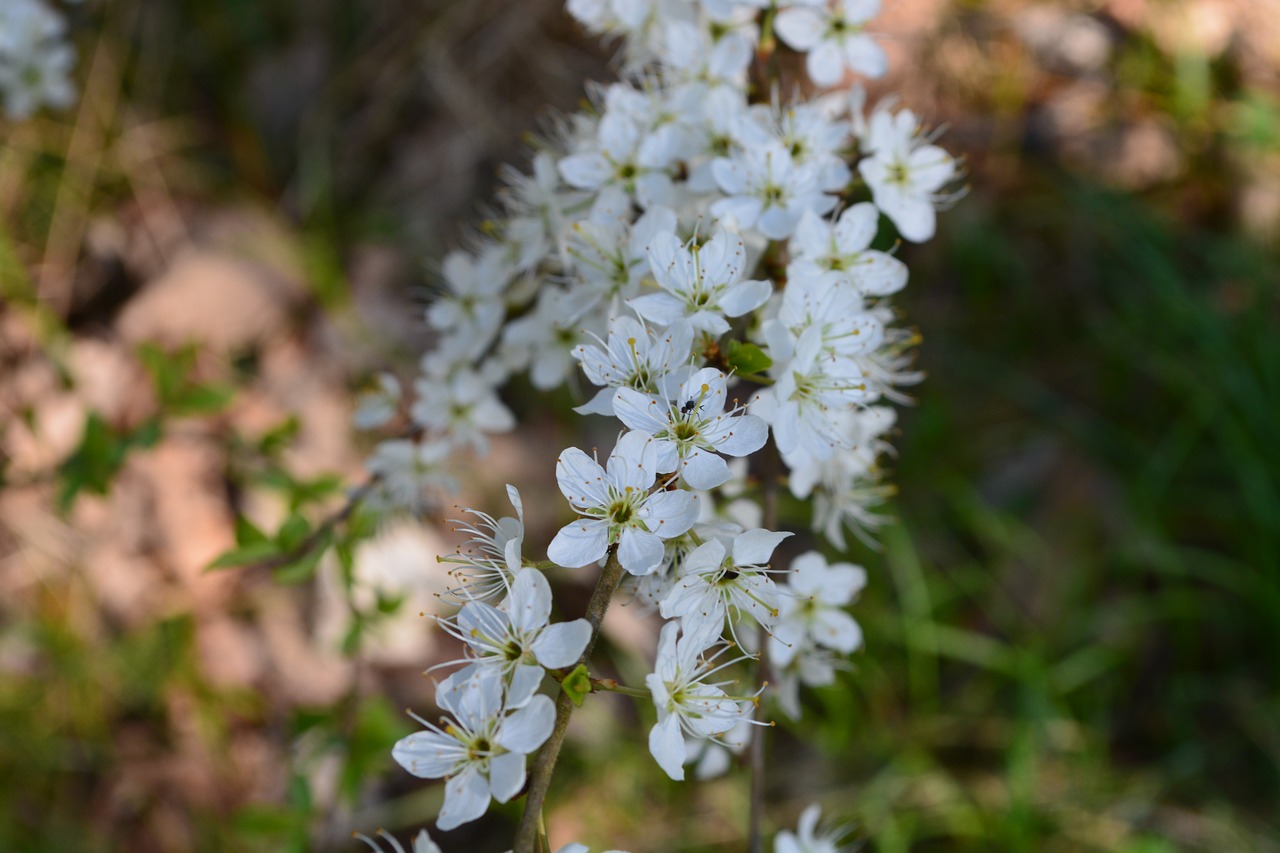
(688, 407)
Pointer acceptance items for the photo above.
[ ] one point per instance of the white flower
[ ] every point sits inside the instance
(461, 409)
(833, 36)
(806, 838)
(819, 248)
(768, 191)
(610, 256)
(812, 389)
(685, 703)
(809, 135)
(691, 430)
(517, 641)
(713, 136)
(488, 565)
(846, 485)
(375, 408)
(35, 64)
(905, 173)
(626, 156)
(481, 752)
(695, 58)
(409, 473)
(635, 357)
(831, 305)
(544, 339)
(618, 507)
(715, 583)
(811, 605)
(701, 285)
(471, 309)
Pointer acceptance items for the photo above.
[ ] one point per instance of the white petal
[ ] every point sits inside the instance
(825, 64)
(600, 404)
(836, 630)
(863, 55)
(739, 210)
(755, 547)
(561, 645)
(703, 470)
(785, 842)
(428, 755)
(581, 479)
(639, 552)
(422, 843)
(633, 463)
(776, 223)
(639, 411)
(741, 435)
(931, 167)
(670, 514)
(916, 219)
(525, 681)
(667, 747)
(579, 543)
(841, 582)
(745, 296)
(506, 775)
(812, 235)
(526, 729)
(879, 274)
(800, 28)
(530, 602)
(661, 308)
(857, 227)
(466, 797)
(585, 171)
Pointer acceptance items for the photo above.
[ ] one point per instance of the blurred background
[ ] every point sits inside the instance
(1072, 631)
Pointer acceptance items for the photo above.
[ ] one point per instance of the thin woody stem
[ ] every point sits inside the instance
(769, 498)
(545, 761)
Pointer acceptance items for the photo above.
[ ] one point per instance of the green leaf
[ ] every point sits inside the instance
(747, 358)
(93, 463)
(247, 533)
(201, 399)
(279, 437)
(305, 565)
(245, 556)
(577, 684)
(292, 532)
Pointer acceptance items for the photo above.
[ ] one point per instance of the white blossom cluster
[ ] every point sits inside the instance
(711, 252)
(35, 60)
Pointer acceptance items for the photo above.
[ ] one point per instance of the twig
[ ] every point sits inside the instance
(323, 529)
(769, 499)
(545, 761)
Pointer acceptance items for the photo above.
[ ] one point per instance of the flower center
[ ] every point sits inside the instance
(621, 511)
(684, 431)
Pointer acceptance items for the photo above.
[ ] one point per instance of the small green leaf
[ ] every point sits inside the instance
(279, 437)
(577, 684)
(292, 532)
(201, 399)
(747, 358)
(305, 565)
(245, 556)
(248, 533)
